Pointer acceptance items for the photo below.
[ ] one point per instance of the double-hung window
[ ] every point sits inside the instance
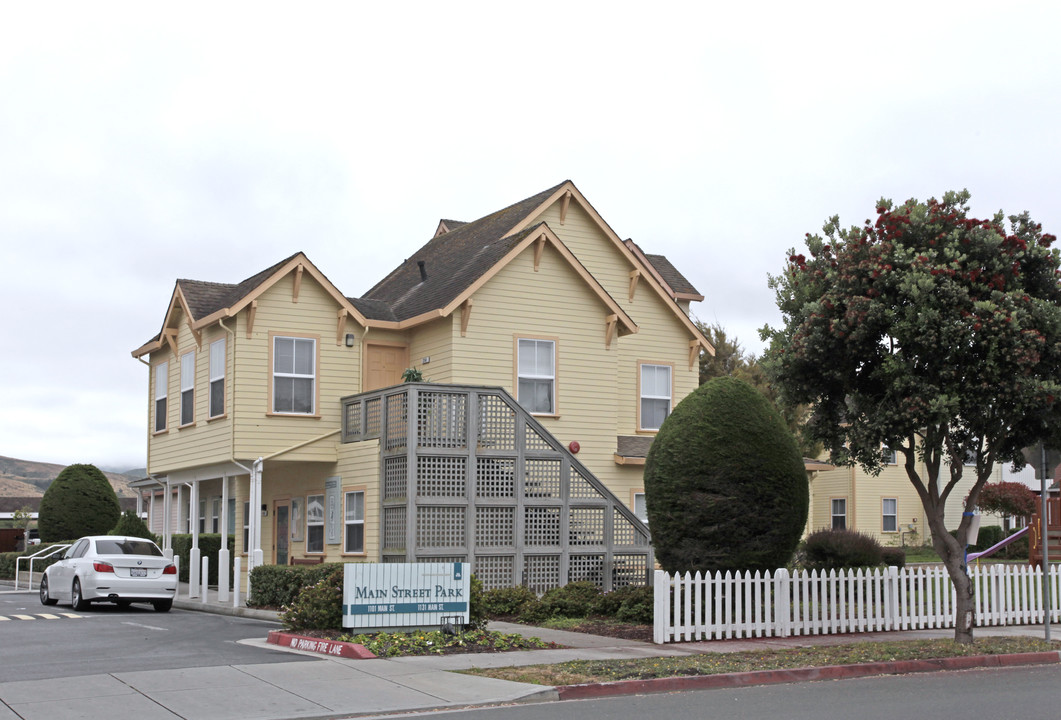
(354, 522)
(839, 508)
(217, 378)
(294, 375)
(640, 508)
(536, 385)
(188, 388)
(889, 515)
(655, 395)
(246, 528)
(161, 384)
(315, 524)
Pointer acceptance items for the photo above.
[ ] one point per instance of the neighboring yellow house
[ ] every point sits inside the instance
(542, 299)
(885, 506)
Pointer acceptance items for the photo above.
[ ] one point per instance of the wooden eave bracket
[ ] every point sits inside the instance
(466, 313)
(564, 202)
(251, 312)
(694, 352)
(609, 330)
(298, 282)
(539, 246)
(170, 337)
(635, 275)
(340, 325)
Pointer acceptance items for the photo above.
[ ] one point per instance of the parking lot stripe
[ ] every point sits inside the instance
(48, 616)
(24, 617)
(71, 615)
(4, 618)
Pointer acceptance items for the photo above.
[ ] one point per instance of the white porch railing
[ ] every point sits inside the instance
(780, 604)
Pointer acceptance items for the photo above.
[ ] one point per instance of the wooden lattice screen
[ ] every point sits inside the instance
(514, 503)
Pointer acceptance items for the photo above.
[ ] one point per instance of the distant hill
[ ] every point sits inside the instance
(25, 478)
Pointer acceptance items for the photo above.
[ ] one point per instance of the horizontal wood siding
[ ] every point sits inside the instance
(552, 303)
(435, 340)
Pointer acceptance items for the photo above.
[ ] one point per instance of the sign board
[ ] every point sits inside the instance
(388, 595)
(333, 532)
(1034, 457)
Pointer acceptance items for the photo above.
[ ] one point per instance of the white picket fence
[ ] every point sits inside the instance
(782, 604)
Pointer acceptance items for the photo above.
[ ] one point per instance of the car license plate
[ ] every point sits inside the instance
(137, 572)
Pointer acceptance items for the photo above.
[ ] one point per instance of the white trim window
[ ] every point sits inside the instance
(891, 457)
(889, 515)
(354, 522)
(217, 378)
(298, 526)
(640, 508)
(655, 395)
(161, 385)
(294, 375)
(839, 513)
(188, 388)
(215, 515)
(536, 385)
(246, 527)
(315, 524)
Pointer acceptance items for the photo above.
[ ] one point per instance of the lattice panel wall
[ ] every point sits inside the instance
(495, 571)
(497, 424)
(542, 479)
(586, 568)
(629, 570)
(541, 572)
(397, 421)
(541, 526)
(395, 477)
(495, 527)
(495, 478)
(373, 416)
(353, 419)
(440, 476)
(581, 489)
(534, 441)
(442, 420)
(585, 526)
(439, 526)
(394, 527)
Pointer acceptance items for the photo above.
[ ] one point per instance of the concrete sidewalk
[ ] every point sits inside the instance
(336, 687)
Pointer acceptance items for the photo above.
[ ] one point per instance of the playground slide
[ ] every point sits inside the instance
(998, 546)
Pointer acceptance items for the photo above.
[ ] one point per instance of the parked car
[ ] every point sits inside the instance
(111, 568)
(33, 537)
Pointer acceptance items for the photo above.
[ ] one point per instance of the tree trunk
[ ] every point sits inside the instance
(953, 556)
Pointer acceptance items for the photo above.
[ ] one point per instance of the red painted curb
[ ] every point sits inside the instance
(772, 677)
(330, 648)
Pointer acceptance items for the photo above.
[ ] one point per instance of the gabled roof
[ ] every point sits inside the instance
(668, 276)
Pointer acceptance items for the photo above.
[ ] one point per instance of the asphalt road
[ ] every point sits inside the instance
(105, 639)
(1028, 692)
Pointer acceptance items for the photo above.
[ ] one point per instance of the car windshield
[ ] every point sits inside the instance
(127, 547)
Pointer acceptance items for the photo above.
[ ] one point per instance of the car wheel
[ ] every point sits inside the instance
(46, 599)
(162, 605)
(77, 600)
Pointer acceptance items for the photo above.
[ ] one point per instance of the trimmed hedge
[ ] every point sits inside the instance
(7, 560)
(278, 585)
(209, 545)
(839, 549)
(132, 525)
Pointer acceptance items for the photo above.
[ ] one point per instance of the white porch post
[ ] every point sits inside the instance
(167, 520)
(140, 503)
(193, 556)
(256, 515)
(222, 555)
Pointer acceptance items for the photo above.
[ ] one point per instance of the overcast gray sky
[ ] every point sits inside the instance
(142, 142)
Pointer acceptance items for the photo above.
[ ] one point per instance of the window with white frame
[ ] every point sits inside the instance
(889, 515)
(655, 395)
(161, 385)
(536, 385)
(188, 388)
(246, 527)
(839, 512)
(215, 515)
(890, 456)
(202, 515)
(298, 528)
(315, 524)
(640, 508)
(294, 375)
(231, 515)
(354, 522)
(217, 378)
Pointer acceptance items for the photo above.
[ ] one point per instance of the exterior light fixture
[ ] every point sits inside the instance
(349, 339)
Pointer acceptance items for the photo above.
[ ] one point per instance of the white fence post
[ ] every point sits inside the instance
(782, 606)
(237, 563)
(205, 576)
(660, 596)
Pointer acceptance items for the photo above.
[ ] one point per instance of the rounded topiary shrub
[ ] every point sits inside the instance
(725, 486)
(80, 501)
(839, 549)
(131, 525)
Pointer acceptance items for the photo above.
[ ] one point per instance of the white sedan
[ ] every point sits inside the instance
(111, 568)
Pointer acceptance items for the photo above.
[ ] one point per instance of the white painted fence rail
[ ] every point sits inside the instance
(780, 604)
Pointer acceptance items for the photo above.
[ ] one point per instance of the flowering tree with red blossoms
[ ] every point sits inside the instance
(931, 333)
(1008, 498)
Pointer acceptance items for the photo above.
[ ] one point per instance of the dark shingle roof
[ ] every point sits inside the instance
(205, 298)
(671, 276)
(453, 261)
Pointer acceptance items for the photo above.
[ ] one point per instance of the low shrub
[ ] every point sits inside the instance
(574, 600)
(209, 545)
(1016, 550)
(508, 601)
(893, 557)
(8, 560)
(838, 549)
(638, 605)
(477, 614)
(278, 585)
(318, 606)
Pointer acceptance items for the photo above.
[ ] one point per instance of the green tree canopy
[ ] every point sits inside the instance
(932, 333)
(80, 501)
(725, 486)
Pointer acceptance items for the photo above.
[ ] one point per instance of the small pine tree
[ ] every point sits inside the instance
(80, 501)
(131, 525)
